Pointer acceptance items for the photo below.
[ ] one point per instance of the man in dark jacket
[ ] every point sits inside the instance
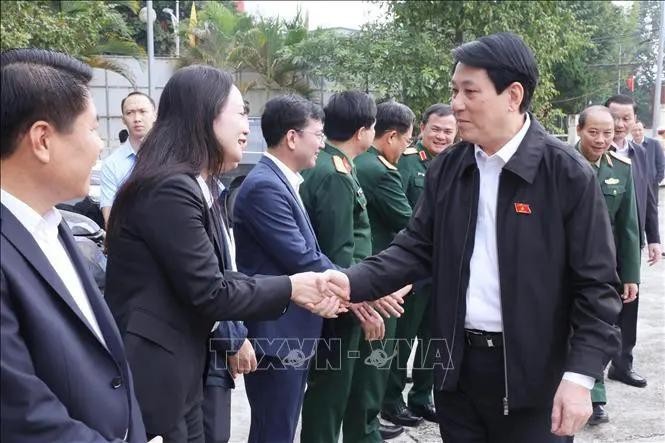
(623, 110)
(513, 229)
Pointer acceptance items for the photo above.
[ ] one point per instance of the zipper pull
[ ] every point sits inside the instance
(505, 405)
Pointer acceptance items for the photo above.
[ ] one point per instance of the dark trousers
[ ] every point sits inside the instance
(189, 428)
(413, 328)
(623, 362)
(217, 414)
(275, 393)
(474, 413)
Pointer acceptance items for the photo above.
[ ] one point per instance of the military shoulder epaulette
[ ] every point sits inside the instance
(620, 157)
(386, 163)
(339, 165)
(410, 151)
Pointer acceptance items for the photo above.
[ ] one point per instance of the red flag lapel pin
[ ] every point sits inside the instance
(522, 208)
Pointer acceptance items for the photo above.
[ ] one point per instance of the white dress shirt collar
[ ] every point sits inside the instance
(35, 224)
(506, 152)
(294, 178)
(206, 190)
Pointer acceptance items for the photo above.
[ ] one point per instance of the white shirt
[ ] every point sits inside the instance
(228, 232)
(44, 229)
(483, 295)
(483, 301)
(623, 150)
(294, 178)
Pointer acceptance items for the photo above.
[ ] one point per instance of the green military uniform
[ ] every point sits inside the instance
(337, 208)
(389, 212)
(616, 182)
(412, 167)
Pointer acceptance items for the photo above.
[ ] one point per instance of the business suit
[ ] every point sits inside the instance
(647, 216)
(166, 289)
(274, 237)
(59, 382)
(655, 163)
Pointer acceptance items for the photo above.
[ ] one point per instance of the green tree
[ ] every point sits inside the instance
(88, 30)
(236, 42)
(590, 74)
(408, 57)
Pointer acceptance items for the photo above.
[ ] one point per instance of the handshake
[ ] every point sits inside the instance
(328, 294)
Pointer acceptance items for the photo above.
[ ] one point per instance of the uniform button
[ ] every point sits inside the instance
(116, 382)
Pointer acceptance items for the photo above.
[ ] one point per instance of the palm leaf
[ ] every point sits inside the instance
(101, 62)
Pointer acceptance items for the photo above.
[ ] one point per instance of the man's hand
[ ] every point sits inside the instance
(629, 292)
(571, 409)
(655, 252)
(390, 305)
(338, 283)
(313, 290)
(243, 361)
(370, 321)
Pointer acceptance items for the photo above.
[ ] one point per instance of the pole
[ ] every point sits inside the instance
(659, 75)
(619, 72)
(151, 46)
(176, 30)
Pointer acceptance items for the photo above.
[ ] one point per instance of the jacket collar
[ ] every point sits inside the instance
(524, 163)
(25, 244)
(277, 171)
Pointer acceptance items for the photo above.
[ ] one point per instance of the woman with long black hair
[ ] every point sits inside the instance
(166, 280)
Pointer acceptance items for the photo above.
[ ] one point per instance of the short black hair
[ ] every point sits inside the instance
(392, 115)
(347, 112)
(506, 58)
(286, 112)
(122, 103)
(621, 99)
(436, 109)
(585, 114)
(39, 84)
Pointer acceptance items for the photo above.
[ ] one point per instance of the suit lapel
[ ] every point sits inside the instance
(99, 308)
(273, 167)
(26, 245)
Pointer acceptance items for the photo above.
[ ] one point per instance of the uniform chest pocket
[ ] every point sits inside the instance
(419, 181)
(617, 189)
(613, 194)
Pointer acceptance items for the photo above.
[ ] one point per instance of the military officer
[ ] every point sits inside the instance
(337, 208)
(389, 212)
(596, 130)
(438, 129)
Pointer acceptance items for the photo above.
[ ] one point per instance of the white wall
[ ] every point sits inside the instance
(109, 88)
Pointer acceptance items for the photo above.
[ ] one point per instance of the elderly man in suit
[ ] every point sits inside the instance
(655, 155)
(64, 375)
(274, 236)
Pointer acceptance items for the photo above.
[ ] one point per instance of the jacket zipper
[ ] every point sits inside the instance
(506, 407)
(459, 280)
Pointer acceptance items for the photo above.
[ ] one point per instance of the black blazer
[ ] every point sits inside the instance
(647, 205)
(165, 289)
(59, 383)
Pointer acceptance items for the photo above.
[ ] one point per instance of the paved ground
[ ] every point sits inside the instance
(636, 415)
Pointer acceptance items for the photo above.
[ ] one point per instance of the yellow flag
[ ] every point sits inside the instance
(192, 25)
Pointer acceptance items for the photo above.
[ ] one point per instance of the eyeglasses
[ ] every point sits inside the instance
(320, 135)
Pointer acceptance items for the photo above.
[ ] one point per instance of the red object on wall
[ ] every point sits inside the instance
(630, 82)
